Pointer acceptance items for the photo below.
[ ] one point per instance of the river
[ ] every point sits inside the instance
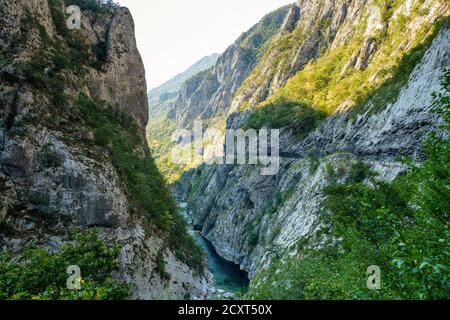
(227, 275)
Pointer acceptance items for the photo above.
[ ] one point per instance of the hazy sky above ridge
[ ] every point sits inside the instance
(174, 34)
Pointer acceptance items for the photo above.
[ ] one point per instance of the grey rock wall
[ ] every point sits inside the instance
(51, 183)
(233, 204)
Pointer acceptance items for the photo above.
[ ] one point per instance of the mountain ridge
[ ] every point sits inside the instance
(73, 159)
(352, 61)
(174, 84)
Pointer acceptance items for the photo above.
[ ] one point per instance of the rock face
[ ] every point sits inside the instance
(308, 27)
(312, 28)
(210, 93)
(173, 85)
(298, 35)
(399, 128)
(162, 98)
(51, 183)
(251, 218)
(123, 79)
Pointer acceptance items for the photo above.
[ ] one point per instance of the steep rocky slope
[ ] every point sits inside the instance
(370, 66)
(171, 88)
(249, 217)
(209, 94)
(72, 120)
(162, 124)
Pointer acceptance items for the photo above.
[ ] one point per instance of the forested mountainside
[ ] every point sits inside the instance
(78, 184)
(354, 86)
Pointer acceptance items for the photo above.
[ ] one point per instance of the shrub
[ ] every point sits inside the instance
(314, 161)
(76, 53)
(96, 6)
(38, 274)
(160, 266)
(50, 158)
(359, 172)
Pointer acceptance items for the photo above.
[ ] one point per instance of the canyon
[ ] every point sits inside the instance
(352, 86)
(255, 220)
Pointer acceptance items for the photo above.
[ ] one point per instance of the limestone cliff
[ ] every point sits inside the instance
(58, 172)
(209, 94)
(122, 81)
(230, 202)
(172, 87)
(321, 50)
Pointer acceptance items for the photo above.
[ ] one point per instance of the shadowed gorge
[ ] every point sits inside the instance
(109, 191)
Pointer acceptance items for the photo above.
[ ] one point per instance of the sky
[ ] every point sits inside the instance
(174, 34)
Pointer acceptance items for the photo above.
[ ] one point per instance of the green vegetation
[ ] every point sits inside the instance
(159, 137)
(329, 82)
(44, 70)
(160, 268)
(254, 42)
(74, 52)
(252, 46)
(50, 158)
(314, 161)
(40, 275)
(402, 227)
(323, 85)
(278, 201)
(56, 70)
(118, 135)
(298, 116)
(399, 75)
(359, 172)
(96, 6)
(193, 193)
(252, 228)
(48, 69)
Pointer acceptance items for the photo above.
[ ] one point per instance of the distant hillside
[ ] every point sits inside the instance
(212, 87)
(172, 86)
(161, 101)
